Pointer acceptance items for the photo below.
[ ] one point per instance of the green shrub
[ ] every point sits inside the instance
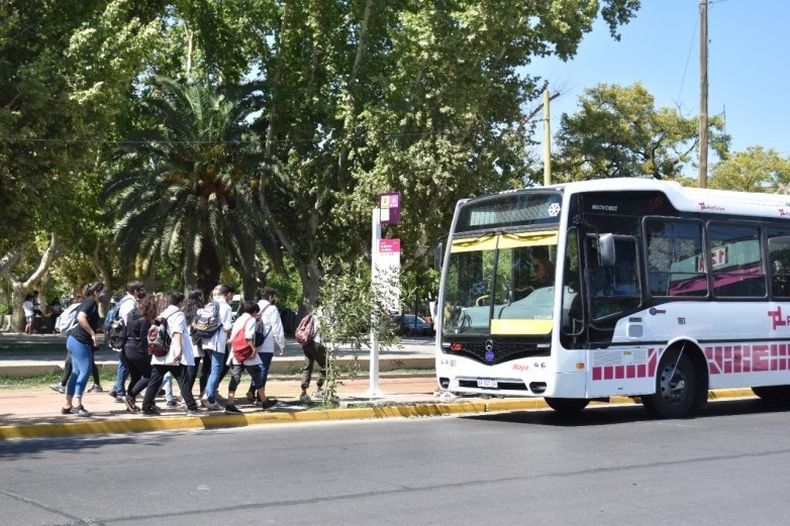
(5, 308)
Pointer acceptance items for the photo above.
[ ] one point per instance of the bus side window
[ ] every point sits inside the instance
(779, 253)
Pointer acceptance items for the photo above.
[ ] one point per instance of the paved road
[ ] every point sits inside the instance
(608, 466)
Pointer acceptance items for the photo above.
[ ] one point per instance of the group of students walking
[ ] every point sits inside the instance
(198, 333)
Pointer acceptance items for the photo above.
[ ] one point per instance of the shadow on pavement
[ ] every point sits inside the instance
(37, 447)
(614, 415)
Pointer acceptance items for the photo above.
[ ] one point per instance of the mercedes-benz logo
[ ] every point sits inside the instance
(489, 345)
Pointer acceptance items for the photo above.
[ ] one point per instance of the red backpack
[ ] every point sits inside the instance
(304, 332)
(242, 350)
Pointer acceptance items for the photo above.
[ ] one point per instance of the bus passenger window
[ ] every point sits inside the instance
(779, 250)
(736, 260)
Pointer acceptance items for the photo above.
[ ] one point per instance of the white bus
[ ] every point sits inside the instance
(627, 287)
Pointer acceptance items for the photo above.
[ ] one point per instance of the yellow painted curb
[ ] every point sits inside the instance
(219, 421)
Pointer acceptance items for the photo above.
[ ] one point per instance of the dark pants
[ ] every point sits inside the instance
(313, 352)
(139, 366)
(180, 373)
(204, 372)
(67, 370)
(235, 376)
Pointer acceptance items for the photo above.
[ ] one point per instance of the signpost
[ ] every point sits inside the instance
(385, 268)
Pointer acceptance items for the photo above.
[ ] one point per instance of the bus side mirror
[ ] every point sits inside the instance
(606, 253)
(438, 252)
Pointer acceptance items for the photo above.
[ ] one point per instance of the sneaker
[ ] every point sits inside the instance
(66, 410)
(113, 394)
(193, 412)
(172, 403)
(80, 411)
(305, 398)
(230, 409)
(131, 407)
(212, 406)
(318, 395)
(119, 399)
(151, 411)
(268, 404)
(96, 389)
(251, 396)
(58, 388)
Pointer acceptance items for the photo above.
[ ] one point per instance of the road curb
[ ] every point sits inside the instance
(221, 421)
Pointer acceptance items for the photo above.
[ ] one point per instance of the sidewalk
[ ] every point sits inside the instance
(29, 412)
(33, 412)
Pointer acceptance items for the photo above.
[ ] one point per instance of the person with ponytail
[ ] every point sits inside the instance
(80, 343)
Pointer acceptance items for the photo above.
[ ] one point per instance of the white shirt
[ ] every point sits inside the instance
(271, 318)
(27, 306)
(220, 338)
(127, 304)
(176, 323)
(246, 323)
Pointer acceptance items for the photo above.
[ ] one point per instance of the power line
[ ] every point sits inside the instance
(688, 59)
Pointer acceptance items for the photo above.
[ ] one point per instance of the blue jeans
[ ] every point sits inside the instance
(121, 375)
(217, 364)
(167, 385)
(266, 358)
(80, 366)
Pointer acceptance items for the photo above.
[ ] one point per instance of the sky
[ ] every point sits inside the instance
(748, 61)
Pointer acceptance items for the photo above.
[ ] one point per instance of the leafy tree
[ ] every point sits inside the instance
(67, 69)
(753, 170)
(618, 132)
(186, 186)
(419, 97)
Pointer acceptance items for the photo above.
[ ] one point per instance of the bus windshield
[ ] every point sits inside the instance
(501, 284)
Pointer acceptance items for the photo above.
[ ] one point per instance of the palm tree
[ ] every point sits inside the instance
(187, 188)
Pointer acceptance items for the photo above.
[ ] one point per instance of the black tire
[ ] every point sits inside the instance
(778, 395)
(676, 387)
(567, 406)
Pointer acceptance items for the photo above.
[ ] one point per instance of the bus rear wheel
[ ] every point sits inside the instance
(676, 387)
(774, 394)
(567, 406)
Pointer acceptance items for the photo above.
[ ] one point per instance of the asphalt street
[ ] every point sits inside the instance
(609, 465)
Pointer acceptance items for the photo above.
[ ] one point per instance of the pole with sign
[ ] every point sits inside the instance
(385, 270)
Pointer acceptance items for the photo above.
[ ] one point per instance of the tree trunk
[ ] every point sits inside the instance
(19, 287)
(208, 269)
(310, 277)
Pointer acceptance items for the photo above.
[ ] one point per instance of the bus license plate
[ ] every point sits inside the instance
(487, 382)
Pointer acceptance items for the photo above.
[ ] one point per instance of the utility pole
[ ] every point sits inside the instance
(546, 139)
(703, 93)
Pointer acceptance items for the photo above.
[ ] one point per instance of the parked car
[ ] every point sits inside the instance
(412, 325)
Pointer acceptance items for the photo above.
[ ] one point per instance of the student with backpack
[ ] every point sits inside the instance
(219, 318)
(270, 318)
(245, 355)
(135, 349)
(173, 335)
(115, 333)
(309, 337)
(65, 324)
(195, 302)
(81, 342)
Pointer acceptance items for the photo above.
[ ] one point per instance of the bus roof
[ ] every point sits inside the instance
(689, 199)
